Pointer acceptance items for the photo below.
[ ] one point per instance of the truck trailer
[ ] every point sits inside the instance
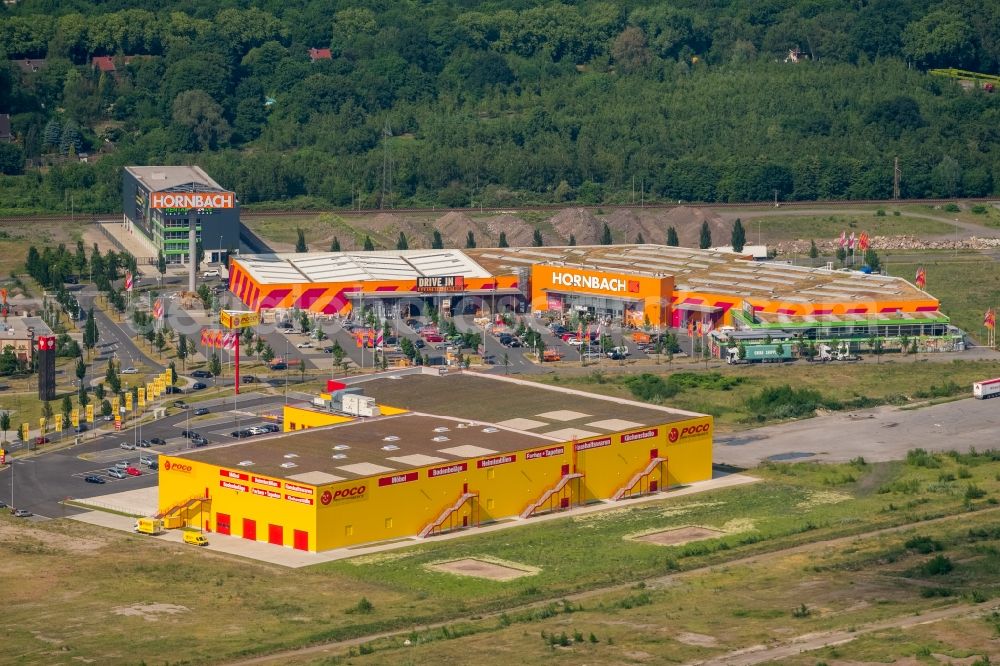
(988, 388)
(150, 526)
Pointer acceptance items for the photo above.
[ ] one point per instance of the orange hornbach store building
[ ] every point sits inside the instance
(638, 285)
(352, 470)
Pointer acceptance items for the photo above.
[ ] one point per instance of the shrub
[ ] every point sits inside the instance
(650, 388)
(946, 477)
(979, 209)
(938, 565)
(634, 600)
(920, 458)
(785, 402)
(880, 212)
(951, 208)
(964, 473)
(363, 606)
(973, 492)
(923, 544)
(930, 592)
(801, 611)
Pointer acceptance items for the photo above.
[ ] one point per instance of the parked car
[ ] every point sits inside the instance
(575, 342)
(20, 513)
(117, 473)
(304, 345)
(199, 441)
(130, 371)
(128, 446)
(173, 390)
(145, 443)
(145, 460)
(41, 440)
(592, 355)
(190, 434)
(180, 404)
(241, 434)
(279, 366)
(157, 441)
(210, 274)
(419, 343)
(201, 374)
(107, 417)
(198, 386)
(154, 465)
(248, 379)
(133, 471)
(93, 478)
(201, 411)
(257, 430)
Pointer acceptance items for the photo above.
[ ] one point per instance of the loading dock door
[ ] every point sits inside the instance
(249, 529)
(275, 535)
(301, 540)
(222, 523)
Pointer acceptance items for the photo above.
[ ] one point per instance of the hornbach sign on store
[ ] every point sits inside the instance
(594, 282)
(441, 283)
(192, 200)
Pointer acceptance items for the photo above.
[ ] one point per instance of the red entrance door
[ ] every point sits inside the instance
(565, 470)
(301, 540)
(222, 523)
(250, 529)
(275, 535)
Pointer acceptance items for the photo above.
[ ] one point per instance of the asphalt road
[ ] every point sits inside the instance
(884, 433)
(41, 482)
(115, 339)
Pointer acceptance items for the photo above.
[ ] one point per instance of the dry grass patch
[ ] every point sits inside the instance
(679, 536)
(490, 569)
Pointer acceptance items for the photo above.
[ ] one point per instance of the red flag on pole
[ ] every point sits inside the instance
(990, 319)
(921, 277)
(205, 342)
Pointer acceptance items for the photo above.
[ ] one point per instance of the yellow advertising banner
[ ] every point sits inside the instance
(74, 417)
(128, 401)
(238, 319)
(90, 413)
(150, 391)
(59, 422)
(41, 424)
(116, 405)
(25, 429)
(142, 398)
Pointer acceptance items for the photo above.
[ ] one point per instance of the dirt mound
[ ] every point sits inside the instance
(579, 223)
(455, 228)
(627, 224)
(519, 233)
(688, 223)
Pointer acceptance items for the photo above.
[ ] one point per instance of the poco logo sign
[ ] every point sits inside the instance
(566, 279)
(688, 431)
(177, 467)
(342, 493)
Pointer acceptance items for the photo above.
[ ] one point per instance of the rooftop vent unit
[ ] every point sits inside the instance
(291, 455)
(339, 456)
(245, 463)
(390, 447)
(390, 438)
(288, 465)
(491, 429)
(439, 438)
(341, 447)
(442, 429)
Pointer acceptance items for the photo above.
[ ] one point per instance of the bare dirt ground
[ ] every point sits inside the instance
(679, 536)
(476, 568)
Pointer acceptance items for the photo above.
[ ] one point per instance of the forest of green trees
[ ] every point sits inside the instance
(458, 102)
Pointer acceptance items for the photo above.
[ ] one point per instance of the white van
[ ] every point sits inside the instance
(210, 274)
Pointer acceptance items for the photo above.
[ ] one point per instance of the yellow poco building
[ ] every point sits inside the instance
(417, 473)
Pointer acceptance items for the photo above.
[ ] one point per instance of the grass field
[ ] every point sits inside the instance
(117, 598)
(783, 228)
(895, 379)
(16, 238)
(965, 286)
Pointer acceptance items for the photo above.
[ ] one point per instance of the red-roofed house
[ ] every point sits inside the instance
(107, 63)
(320, 54)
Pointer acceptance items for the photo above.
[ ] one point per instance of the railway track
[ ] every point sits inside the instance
(250, 213)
